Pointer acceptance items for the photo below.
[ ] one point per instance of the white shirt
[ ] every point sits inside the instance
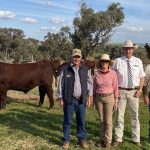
(147, 78)
(120, 67)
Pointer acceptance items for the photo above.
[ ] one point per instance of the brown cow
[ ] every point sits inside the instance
(24, 77)
(91, 64)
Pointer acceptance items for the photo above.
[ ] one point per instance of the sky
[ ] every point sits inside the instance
(38, 17)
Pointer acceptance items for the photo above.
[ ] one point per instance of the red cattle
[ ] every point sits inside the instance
(91, 64)
(24, 77)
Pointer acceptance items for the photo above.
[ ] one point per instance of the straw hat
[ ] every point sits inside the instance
(107, 58)
(76, 52)
(129, 43)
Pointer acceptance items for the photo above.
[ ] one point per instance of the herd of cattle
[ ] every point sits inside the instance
(25, 77)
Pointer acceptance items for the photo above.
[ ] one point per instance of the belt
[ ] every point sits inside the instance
(129, 89)
(104, 94)
(78, 98)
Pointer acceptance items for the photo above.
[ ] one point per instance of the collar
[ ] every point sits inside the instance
(131, 59)
(104, 72)
(72, 65)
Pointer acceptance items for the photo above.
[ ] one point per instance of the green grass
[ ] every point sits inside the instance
(23, 126)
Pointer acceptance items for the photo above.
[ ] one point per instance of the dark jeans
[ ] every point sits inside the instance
(79, 108)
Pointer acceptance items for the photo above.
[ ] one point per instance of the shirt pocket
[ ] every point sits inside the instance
(121, 71)
(136, 70)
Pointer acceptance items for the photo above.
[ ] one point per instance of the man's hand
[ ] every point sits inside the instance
(94, 102)
(61, 103)
(146, 100)
(137, 94)
(88, 102)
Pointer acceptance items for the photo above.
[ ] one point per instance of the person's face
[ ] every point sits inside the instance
(104, 64)
(128, 52)
(76, 60)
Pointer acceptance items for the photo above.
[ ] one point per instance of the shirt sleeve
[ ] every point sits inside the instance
(141, 73)
(115, 85)
(90, 84)
(94, 85)
(60, 85)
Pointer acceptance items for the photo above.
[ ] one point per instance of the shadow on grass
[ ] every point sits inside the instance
(38, 122)
(24, 115)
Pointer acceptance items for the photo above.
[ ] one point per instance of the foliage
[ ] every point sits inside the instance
(114, 50)
(13, 45)
(147, 47)
(93, 29)
(56, 45)
(9, 40)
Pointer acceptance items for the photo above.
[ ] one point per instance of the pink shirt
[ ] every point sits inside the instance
(105, 82)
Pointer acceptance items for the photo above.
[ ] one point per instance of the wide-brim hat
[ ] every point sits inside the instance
(129, 43)
(76, 52)
(105, 57)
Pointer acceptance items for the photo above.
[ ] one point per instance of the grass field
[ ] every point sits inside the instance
(24, 126)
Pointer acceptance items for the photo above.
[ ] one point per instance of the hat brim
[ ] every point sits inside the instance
(134, 47)
(76, 55)
(110, 61)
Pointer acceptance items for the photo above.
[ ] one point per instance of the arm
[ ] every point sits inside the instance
(94, 92)
(145, 90)
(116, 92)
(60, 87)
(141, 76)
(139, 91)
(90, 89)
(115, 87)
(145, 96)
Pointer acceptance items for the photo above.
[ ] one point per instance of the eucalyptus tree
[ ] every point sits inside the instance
(94, 29)
(56, 45)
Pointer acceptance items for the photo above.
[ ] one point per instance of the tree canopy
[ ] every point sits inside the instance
(94, 29)
(91, 31)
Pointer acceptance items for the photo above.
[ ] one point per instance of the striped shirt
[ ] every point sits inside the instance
(120, 67)
(105, 82)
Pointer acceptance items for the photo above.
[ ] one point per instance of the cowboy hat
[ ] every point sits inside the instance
(129, 43)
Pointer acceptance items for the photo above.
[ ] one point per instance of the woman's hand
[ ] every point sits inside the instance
(115, 106)
(88, 102)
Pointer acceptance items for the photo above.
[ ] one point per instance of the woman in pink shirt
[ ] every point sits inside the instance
(105, 99)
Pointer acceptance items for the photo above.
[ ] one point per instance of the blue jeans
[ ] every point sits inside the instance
(79, 108)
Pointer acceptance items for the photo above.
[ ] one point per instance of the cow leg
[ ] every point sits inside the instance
(0, 103)
(49, 92)
(42, 92)
(3, 94)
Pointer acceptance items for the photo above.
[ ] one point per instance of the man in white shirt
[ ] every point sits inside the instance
(146, 92)
(130, 80)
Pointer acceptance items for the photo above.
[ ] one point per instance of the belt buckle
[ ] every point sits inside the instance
(105, 94)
